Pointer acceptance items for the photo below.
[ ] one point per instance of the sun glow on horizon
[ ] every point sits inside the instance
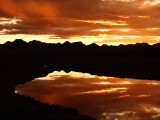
(99, 21)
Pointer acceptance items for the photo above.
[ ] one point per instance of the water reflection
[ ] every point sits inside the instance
(105, 98)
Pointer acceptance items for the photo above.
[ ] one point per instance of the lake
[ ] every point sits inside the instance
(102, 97)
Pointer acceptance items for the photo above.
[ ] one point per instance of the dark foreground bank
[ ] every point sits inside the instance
(21, 62)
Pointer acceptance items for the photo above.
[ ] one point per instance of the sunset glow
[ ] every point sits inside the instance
(116, 23)
(119, 21)
(101, 97)
(107, 90)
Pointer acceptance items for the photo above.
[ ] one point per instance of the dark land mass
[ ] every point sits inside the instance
(21, 62)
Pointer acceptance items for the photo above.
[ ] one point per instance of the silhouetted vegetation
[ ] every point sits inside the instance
(21, 61)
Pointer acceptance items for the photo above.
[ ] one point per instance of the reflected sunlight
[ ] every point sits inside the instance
(102, 97)
(107, 90)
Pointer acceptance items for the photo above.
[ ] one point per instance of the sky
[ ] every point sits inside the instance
(111, 22)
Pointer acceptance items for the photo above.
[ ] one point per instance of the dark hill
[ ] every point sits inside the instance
(21, 61)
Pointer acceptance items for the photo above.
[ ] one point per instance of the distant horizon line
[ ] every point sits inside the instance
(79, 42)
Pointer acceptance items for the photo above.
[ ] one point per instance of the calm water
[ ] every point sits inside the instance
(105, 98)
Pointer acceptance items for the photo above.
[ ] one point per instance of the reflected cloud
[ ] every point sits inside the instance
(107, 90)
(123, 82)
(103, 97)
(58, 74)
(132, 96)
(123, 96)
(154, 111)
(153, 83)
(121, 116)
(143, 96)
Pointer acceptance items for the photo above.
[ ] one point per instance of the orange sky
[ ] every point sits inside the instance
(99, 21)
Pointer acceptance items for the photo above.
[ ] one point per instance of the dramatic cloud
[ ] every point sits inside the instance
(78, 19)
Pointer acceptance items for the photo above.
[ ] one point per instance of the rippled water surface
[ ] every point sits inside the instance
(102, 97)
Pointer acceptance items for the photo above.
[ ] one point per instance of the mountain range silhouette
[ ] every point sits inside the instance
(40, 47)
(21, 62)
